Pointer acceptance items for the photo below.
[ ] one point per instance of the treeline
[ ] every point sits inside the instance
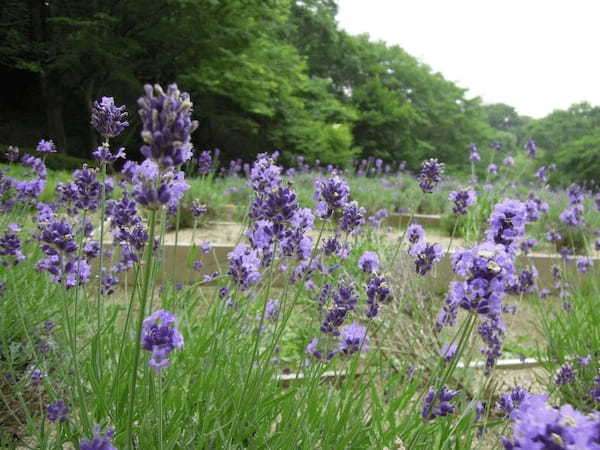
(263, 75)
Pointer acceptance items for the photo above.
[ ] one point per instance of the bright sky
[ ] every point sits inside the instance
(536, 55)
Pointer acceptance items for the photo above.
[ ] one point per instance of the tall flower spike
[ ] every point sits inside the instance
(160, 336)
(108, 119)
(166, 125)
(431, 175)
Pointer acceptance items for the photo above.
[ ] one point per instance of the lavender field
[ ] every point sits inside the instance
(325, 326)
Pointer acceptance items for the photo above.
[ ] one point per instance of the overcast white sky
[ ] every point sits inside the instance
(536, 55)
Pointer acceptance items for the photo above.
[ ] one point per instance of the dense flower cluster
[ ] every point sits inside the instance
(46, 146)
(57, 412)
(353, 338)
(160, 337)
(507, 224)
(462, 199)
(205, 163)
(537, 425)
(108, 119)
(369, 262)
(332, 195)
(431, 175)
(437, 404)
(531, 148)
(100, 441)
(244, 266)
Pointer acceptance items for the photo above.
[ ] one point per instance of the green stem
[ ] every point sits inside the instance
(138, 330)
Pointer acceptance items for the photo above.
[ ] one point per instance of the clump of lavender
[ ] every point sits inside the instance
(509, 402)
(57, 412)
(10, 248)
(166, 125)
(437, 404)
(160, 337)
(205, 163)
(100, 441)
(462, 199)
(426, 255)
(474, 153)
(353, 218)
(565, 375)
(509, 161)
(431, 175)
(108, 119)
(46, 146)
(415, 233)
(353, 338)
(492, 169)
(507, 224)
(584, 264)
(369, 262)
(531, 148)
(489, 270)
(537, 425)
(378, 293)
(332, 195)
(244, 266)
(344, 301)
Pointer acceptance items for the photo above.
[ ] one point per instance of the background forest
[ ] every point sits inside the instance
(264, 75)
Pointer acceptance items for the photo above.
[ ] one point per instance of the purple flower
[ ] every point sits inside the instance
(509, 402)
(197, 265)
(462, 199)
(265, 175)
(575, 194)
(311, 348)
(437, 404)
(160, 337)
(553, 236)
(206, 247)
(103, 154)
(448, 351)
(473, 153)
(415, 233)
(154, 189)
(527, 245)
(353, 338)
(496, 145)
(426, 255)
(377, 292)
(10, 250)
(244, 265)
(343, 302)
(542, 173)
(205, 163)
(508, 161)
(36, 376)
(531, 148)
(331, 195)
(108, 119)
(565, 375)
(100, 441)
(535, 206)
(507, 223)
(431, 175)
(583, 264)
(573, 216)
(352, 218)
(544, 293)
(369, 262)
(46, 146)
(537, 425)
(584, 361)
(166, 125)
(272, 309)
(198, 209)
(57, 412)
(492, 169)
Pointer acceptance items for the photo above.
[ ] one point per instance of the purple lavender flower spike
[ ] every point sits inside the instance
(415, 233)
(509, 161)
(205, 163)
(352, 218)
(198, 209)
(448, 352)
(160, 337)
(537, 425)
(108, 119)
(104, 155)
(331, 195)
(584, 264)
(369, 262)
(437, 404)
(509, 402)
(431, 175)
(507, 223)
(353, 338)
(565, 375)
(378, 292)
(462, 199)
(573, 216)
(10, 250)
(474, 153)
(496, 145)
(311, 348)
(492, 169)
(100, 441)
(531, 148)
(57, 412)
(272, 309)
(426, 255)
(46, 146)
(244, 265)
(166, 125)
